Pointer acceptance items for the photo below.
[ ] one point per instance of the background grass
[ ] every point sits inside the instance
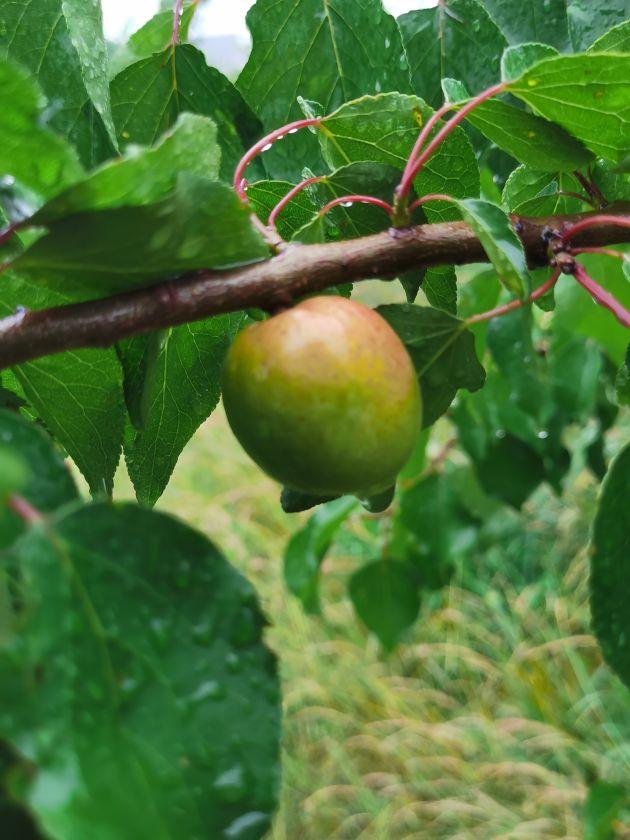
(490, 721)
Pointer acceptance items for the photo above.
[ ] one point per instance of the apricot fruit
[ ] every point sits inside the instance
(324, 398)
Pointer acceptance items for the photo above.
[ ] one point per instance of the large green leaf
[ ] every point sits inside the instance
(529, 139)
(149, 95)
(386, 598)
(383, 129)
(327, 51)
(459, 40)
(610, 567)
(201, 224)
(142, 175)
(590, 19)
(29, 151)
(307, 547)
(78, 394)
(139, 655)
(184, 389)
(535, 20)
(442, 351)
(501, 244)
(585, 94)
(61, 43)
(45, 481)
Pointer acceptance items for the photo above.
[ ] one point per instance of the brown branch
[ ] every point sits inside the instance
(276, 282)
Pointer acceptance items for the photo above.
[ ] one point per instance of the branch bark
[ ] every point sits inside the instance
(274, 283)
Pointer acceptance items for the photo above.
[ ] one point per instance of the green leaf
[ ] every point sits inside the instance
(149, 95)
(78, 394)
(586, 95)
(510, 470)
(544, 21)
(603, 804)
(529, 139)
(530, 192)
(479, 293)
(155, 36)
(139, 359)
(411, 281)
(459, 40)
(431, 530)
(516, 60)
(442, 351)
(306, 549)
(610, 567)
(38, 474)
(263, 197)
(616, 40)
(440, 287)
(61, 43)
(590, 19)
(201, 224)
(142, 175)
(501, 244)
(383, 129)
(329, 52)
(186, 385)
(385, 599)
(29, 151)
(139, 656)
(622, 382)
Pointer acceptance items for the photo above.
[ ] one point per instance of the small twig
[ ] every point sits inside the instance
(592, 221)
(516, 303)
(239, 183)
(271, 222)
(601, 296)
(24, 509)
(604, 252)
(410, 174)
(178, 11)
(347, 200)
(579, 196)
(430, 197)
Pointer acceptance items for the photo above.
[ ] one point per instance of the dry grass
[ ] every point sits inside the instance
(488, 723)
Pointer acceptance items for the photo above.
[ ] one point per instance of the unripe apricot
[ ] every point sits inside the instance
(324, 398)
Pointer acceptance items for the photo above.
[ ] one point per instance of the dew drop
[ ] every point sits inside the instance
(500, 433)
(347, 203)
(266, 147)
(293, 131)
(543, 434)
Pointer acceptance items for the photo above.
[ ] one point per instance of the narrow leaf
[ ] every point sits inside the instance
(501, 244)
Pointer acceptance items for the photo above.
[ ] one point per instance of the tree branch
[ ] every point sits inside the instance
(276, 282)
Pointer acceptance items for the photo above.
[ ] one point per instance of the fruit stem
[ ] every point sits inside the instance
(239, 183)
(360, 199)
(412, 170)
(271, 222)
(600, 219)
(516, 303)
(601, 296)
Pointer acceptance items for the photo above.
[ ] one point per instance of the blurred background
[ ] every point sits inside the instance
(496, 716)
